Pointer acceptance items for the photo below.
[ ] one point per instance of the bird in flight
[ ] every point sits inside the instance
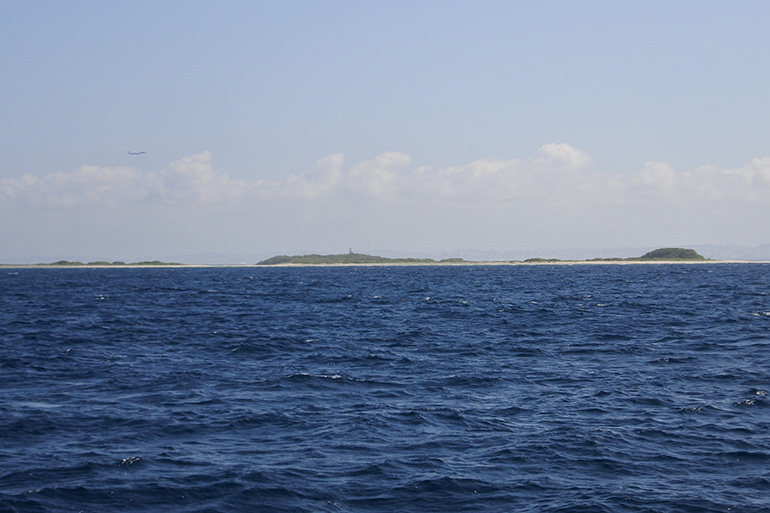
(137, 152)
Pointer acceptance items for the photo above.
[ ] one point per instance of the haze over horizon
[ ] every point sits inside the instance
(417, 127)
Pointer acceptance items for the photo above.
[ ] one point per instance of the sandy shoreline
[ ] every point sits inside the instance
(395, 264)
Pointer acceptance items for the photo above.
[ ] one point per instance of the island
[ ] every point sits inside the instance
(657, 255)
(104, 263)
(350, 258)
(672, 254)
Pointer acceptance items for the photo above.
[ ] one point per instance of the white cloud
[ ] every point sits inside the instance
(193, 178)
(481, 180)
(708, 183)
(736, 186)
(378, 177)
(557, 175)
(659, 176)
(553, 198)
(85, 186)
(562, 157)
(755, 172)
(324, 179)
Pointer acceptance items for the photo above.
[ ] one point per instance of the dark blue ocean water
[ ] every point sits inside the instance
(601, 388)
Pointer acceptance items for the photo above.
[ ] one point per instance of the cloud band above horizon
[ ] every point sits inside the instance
(557, 174)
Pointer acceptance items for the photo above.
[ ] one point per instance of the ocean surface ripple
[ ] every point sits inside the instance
(601, 388)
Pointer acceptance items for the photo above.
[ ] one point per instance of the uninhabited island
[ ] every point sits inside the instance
(672, 254)
(104, 263)
(661, 255)
(350, 258)
(657, 255)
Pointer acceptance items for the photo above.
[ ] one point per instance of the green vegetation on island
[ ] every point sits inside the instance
(350, 258)
(100, 263)
(672, 254)
(658, 255)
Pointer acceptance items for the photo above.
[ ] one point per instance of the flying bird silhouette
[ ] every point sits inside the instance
(137, 152)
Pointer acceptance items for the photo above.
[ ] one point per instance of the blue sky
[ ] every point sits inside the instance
(419, 126)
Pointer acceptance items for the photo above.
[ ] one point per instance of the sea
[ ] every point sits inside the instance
(527, 388)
